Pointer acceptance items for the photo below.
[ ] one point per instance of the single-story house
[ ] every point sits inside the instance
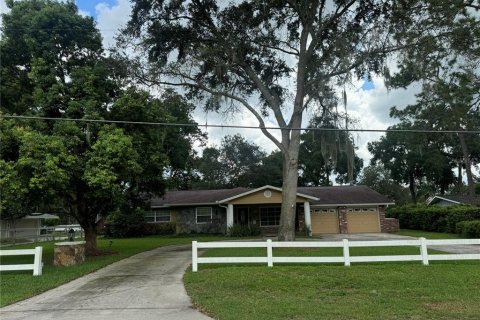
(337, 209)
(451, 200)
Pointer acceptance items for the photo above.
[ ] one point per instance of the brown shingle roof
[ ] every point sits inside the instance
(337, 195)
(190, 197)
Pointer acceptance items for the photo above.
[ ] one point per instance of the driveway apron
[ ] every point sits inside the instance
(146, 286)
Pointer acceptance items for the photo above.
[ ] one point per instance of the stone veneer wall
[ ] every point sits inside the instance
(186, 221)
(387, 224)
(69, 253)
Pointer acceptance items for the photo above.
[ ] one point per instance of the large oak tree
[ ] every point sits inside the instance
(53, 66)
(274, 59)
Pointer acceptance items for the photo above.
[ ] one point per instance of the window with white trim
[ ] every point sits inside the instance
(158, 216)
(203, 215)
(270, 216)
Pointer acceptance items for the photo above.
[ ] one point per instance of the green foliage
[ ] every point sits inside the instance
(53, 65)
(469, 229)
(325, 152)
(433, 218)
(125, 224)
(273, 59)
(413, 159)
(446, 68)
(238, 230)
(234, 164)
(380, 179)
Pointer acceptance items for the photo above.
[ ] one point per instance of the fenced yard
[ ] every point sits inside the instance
(346, 258)
(42, 234)
(382, 290)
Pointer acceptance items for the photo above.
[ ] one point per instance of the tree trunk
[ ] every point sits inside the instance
(468, 165)
(459, 177)
(90, 240)
(286, 231)
(411, 186)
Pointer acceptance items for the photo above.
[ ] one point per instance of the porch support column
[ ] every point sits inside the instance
(308, 220)
(229, 215)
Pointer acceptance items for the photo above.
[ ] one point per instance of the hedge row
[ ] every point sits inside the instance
(469, 229)
(433, 218)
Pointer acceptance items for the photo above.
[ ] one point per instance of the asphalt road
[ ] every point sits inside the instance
(146, 286)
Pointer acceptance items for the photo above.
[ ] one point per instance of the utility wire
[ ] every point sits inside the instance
(169, 124)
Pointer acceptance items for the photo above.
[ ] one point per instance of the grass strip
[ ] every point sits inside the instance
(442, 290)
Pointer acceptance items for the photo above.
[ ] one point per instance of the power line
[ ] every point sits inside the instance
(169, 124)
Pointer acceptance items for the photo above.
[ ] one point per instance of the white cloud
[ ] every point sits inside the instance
(84, 13)
(372, 109)
(111, 19)
(3, 9)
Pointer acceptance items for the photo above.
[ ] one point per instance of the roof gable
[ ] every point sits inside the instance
(455, 199)
(265, 188)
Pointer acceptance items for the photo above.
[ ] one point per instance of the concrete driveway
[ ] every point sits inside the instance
(389, 236)
(146, 286)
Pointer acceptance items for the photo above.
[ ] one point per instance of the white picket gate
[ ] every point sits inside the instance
(346, 259)
(37, 262)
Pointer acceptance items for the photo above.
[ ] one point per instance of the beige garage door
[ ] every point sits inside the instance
(324, 221)
(363, 220)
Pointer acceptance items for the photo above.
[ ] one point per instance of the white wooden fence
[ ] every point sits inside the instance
(346, 259)
(37, 262)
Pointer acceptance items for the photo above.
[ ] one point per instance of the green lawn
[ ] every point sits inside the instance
(19, 285)
(443, 290)
(428, 234)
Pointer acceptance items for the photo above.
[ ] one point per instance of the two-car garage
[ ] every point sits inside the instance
(358, 220)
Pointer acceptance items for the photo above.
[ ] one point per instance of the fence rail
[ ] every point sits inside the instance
(346, 259)
(37, 261)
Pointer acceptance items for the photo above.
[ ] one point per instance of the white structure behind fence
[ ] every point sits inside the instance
(346, 259)
(37, 261)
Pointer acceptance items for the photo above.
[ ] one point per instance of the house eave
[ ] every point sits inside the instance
(170, 205)
(351, 204)
(263, 188)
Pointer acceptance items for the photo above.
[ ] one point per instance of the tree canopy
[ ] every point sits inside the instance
(53, 66)
(271, 58)
(446, 68)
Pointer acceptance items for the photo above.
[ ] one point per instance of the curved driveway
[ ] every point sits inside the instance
(145, 286)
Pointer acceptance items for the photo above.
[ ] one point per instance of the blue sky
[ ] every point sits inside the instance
(89, 5)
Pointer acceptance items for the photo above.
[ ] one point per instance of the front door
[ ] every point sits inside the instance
(241, 216)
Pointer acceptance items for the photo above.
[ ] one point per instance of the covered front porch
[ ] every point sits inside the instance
(261, 207)
(266, 217)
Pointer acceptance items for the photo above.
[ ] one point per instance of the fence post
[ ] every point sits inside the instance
(346, 252)
(37, 262)
(269, 253)
(423, 251)
(194, 257)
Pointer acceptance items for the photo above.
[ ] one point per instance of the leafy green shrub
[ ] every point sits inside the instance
(124, 225)
(433, 218)
(238, 230)
(469, 229)
(164, 228)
